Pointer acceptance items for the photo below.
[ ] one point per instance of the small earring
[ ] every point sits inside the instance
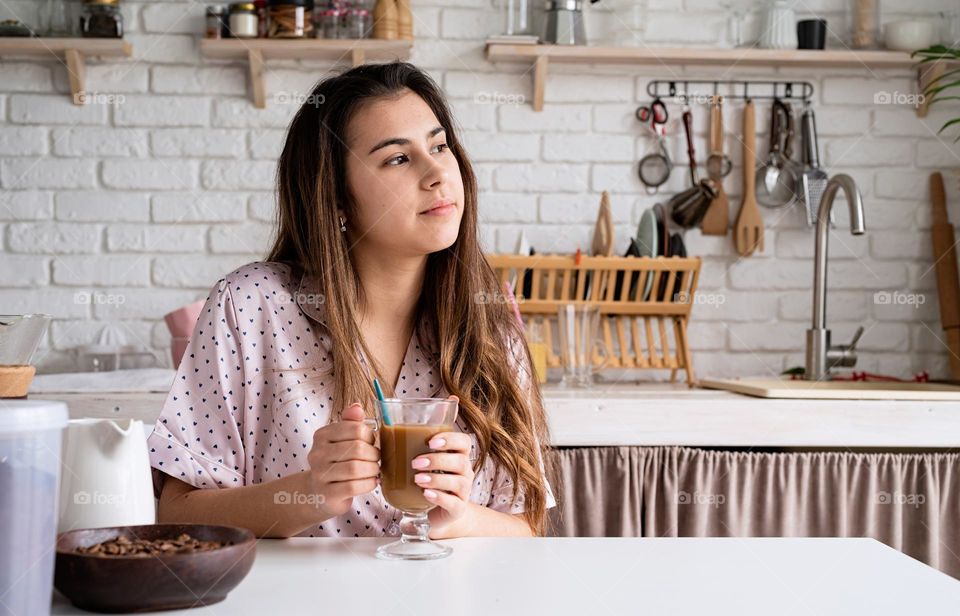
(343, 225)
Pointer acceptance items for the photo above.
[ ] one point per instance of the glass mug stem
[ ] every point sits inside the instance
(414, 527)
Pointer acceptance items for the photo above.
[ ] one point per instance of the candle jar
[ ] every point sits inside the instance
(243, 20)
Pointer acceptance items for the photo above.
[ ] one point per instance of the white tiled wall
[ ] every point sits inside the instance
(151, 198)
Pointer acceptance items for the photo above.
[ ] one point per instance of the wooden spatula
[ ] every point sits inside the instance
(717, 219)
(748, 232)
(948, 281)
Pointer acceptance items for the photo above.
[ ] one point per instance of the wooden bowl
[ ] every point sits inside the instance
(15, 380)
(118, 584)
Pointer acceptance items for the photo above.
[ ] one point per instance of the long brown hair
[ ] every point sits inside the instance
(481, 346)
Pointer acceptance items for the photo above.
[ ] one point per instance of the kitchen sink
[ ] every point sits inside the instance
(772, 387)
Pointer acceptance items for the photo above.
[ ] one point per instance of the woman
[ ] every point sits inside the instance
(376, 272)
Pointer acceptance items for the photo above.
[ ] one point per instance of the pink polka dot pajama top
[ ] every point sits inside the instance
(254, 385)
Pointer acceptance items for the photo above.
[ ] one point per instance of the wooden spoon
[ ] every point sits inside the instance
(717, 219)
(748, 232)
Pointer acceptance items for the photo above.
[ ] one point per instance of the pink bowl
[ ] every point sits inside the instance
(181, 321)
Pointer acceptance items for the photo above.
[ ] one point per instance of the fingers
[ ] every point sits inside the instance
(349, 489)
(352, 450)
(350, 470)
(354, 412)
(455, 484)
(451, 441)
(453, 504)
(349, 430)
(456, 463)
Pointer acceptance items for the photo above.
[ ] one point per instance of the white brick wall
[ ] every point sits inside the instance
(156, 196)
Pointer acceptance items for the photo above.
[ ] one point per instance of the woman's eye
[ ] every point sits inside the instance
(398, 159)
(441, 147)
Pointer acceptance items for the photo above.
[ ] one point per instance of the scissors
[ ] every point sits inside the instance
(655, 113)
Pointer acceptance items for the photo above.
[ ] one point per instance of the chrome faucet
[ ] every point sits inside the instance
(821, 356)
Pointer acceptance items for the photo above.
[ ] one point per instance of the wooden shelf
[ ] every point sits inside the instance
(542, 55)
(256, 51)
(74, 50)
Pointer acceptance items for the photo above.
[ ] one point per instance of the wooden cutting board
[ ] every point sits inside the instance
(948, 279)
(767, 387)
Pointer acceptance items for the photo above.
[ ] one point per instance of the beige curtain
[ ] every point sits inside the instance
(910, 501)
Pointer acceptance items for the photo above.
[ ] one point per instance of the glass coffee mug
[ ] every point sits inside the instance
(413, 422)
(579, 325)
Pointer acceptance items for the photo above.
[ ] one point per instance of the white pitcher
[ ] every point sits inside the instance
(105, 478)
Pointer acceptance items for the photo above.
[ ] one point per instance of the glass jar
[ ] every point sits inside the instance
(359, 24)
(214, 15)
(343, 21)
(53, 19)
(101, 19)
(864, 23)
(329, 24)
(261, 18)
(518, 17)
(287, 19)
(243, 20)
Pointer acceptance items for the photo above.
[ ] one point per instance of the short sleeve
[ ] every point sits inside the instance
(198, 436)
(501, 496)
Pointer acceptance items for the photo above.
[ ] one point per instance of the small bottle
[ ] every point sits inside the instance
(261, 18)
(215, 21)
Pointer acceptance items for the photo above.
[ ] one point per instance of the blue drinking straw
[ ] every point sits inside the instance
(383, 407)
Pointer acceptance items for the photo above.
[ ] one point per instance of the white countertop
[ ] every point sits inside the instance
(597, 576)
(665, 414)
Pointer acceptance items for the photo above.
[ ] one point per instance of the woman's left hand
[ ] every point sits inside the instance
(449, 490)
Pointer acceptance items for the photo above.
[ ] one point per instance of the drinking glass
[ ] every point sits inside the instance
(579, 325)
(413, 422)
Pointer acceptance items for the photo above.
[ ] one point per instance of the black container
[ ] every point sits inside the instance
(811, 34)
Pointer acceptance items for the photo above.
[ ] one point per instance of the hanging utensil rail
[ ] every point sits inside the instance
(692, 89)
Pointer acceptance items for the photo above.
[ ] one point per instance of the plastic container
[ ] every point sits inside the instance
(30, 440)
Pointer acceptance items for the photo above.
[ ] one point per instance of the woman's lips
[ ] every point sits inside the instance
(441, 209)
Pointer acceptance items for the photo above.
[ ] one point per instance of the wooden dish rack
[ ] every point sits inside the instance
(633, 330)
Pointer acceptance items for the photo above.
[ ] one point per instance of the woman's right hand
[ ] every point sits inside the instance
(343, 461)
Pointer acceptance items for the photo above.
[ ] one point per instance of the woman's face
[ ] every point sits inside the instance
(404, 180)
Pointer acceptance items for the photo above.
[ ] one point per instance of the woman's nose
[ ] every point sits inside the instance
(434, 175)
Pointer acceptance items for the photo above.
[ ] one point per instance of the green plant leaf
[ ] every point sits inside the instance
(940, 88)
(943, 98)
(944, 75)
